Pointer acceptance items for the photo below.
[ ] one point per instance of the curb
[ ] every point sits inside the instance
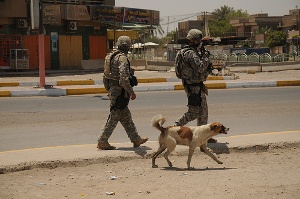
(85, 154)
(118, 155)
(100, 89)
(99, 82)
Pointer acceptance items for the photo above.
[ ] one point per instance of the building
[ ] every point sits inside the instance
(246, 27)
(202, 20)
(74, 30)
(185, 26)
(292, 21)
(70, 35)
(251, 26)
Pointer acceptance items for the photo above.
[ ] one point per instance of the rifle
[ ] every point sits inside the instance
(206, 53)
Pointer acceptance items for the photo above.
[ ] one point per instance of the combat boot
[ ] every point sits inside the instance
(105, 146)
(139, 141)
(211, 140)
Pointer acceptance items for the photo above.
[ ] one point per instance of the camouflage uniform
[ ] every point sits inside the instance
(116, 81)
(194, 74)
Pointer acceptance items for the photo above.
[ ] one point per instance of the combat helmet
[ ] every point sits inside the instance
(124, 43)
(123, 40)
(194, 34)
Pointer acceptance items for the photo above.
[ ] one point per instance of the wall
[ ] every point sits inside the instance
(13, 8)
(219, 49)
(259, 38)
(248, 51)
(276, 50)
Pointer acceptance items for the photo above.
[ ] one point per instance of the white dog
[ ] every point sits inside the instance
(192, 136)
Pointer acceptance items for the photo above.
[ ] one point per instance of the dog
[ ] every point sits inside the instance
(191, 136)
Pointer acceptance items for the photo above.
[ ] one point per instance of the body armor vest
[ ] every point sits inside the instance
(111, 67)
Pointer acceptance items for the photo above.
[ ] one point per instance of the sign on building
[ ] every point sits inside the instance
(76, 12)
(123, 15)
(51, 14)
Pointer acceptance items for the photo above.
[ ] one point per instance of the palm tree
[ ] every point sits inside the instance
(263, 30)
(157, 31)
(221, 26)
(223, 12)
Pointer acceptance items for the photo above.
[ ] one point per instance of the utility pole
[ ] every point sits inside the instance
(41, 46)
(204, 20)
(206, 29)
(174, 22)
(168, 26)
(244, 22)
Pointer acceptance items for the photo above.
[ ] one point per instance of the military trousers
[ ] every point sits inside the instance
(124, 117)
(197, 111)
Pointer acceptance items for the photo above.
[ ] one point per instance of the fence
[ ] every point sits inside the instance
(233, 57)
(254, 57)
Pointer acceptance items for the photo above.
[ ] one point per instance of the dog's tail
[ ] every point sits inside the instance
(158, 121)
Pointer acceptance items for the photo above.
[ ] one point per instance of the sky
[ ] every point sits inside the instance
(178, 10)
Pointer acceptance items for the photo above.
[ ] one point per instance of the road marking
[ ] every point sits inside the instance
(266, 133)
(5, 93)
(49, 147)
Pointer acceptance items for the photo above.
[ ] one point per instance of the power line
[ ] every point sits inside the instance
(182, 15)
(168, 23)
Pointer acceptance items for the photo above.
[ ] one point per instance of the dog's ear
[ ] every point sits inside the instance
(214, 126)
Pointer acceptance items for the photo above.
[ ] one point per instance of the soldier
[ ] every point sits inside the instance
(118, 82)
(193, 74)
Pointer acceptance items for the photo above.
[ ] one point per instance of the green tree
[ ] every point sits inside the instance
(172, 35)
(221, 25)
(151, 35)
(237, 14)
(158, 31)
(263, 30)
(276, 38)
(222, 13)
(219, 28)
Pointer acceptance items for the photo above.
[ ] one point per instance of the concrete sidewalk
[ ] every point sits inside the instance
(80, 155)
(148, 81)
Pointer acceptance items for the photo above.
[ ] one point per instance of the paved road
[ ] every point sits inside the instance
(57, 121)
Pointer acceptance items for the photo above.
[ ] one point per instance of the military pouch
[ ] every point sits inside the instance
(133, 81)
(121, 102)
(194, 99)
(209, 68)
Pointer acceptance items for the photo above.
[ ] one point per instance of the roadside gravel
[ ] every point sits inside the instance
(269, 174)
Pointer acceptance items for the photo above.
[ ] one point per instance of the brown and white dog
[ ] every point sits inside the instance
(192, 136)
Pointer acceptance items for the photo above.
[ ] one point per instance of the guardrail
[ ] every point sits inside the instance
(256, 58)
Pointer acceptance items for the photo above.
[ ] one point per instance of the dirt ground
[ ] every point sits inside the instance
(271, 174)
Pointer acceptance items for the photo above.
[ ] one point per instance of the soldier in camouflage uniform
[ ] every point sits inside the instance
(194, 73)
(116, 79)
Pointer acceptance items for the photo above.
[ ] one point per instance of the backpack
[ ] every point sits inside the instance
(179, 62)
(107, 67)
(107, 61)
